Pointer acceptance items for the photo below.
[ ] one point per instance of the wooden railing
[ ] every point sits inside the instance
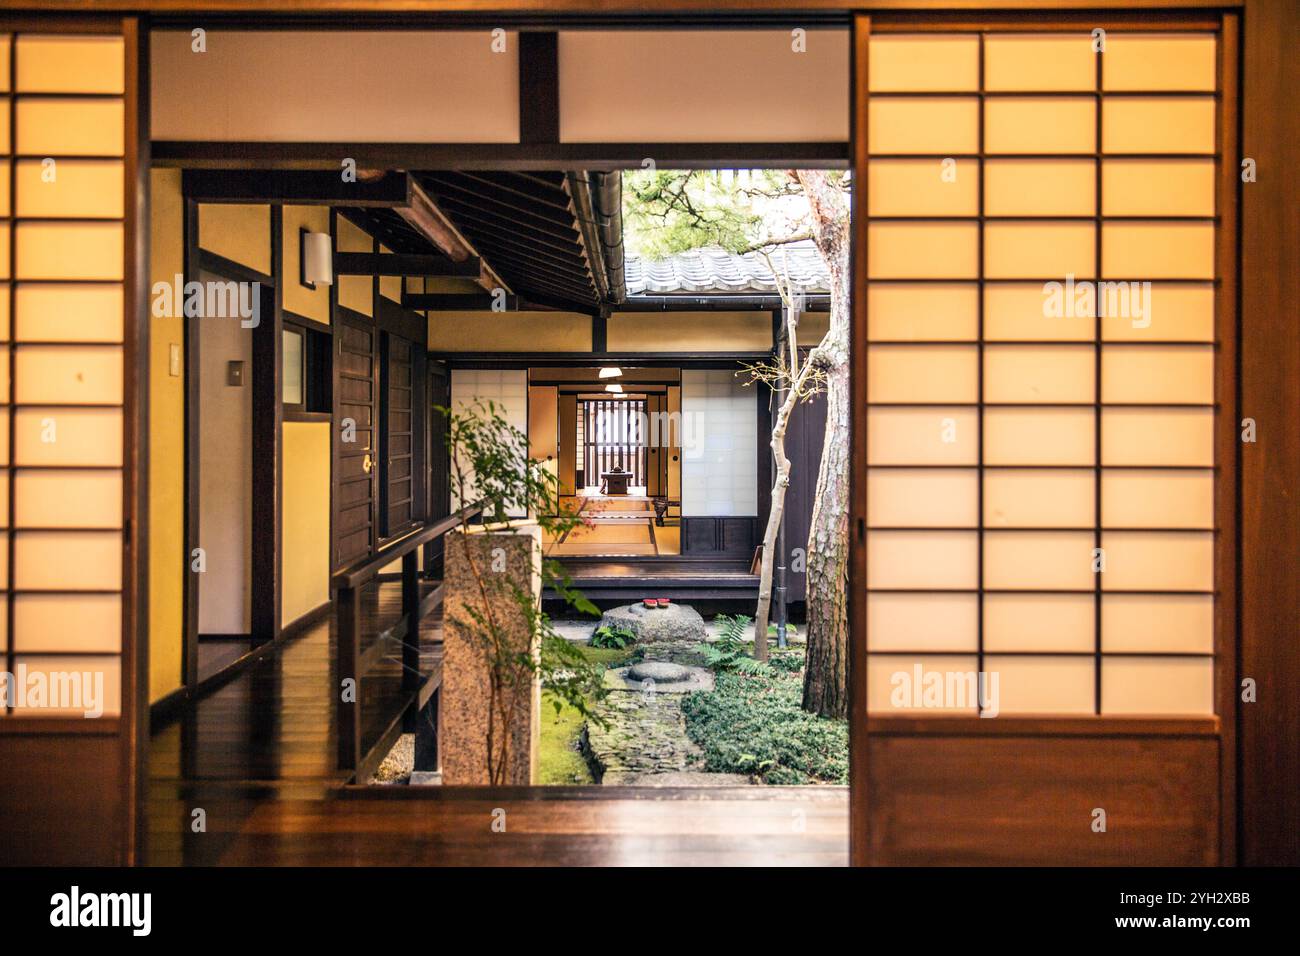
(356, 756)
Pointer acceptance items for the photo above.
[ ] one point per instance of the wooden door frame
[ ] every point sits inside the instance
(1268, 530)
(266, 505)
(1269, 390)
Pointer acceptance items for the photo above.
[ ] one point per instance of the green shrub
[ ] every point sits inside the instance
(788, 661)
(752, 723)
(730, 651)
(607, 657)
(613, 638)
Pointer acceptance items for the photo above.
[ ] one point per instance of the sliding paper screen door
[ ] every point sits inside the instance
(62, 264)
(1040, 370)
(72, 317)
(1040, 339)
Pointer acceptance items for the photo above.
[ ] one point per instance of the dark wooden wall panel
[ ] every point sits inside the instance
(736, 537)
(63, 799)
(1008, 800)
(355, 488)
(804, 449)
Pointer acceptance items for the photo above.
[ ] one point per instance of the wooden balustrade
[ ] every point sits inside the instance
(355, 755)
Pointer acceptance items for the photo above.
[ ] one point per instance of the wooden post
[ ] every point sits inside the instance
(411, 614)
(348, 611)
(426, 735)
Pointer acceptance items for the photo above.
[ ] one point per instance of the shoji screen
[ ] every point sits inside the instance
(507, 389)
(720, 431)
(61, 313)
(1018, 433)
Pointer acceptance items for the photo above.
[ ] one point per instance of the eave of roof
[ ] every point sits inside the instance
(716, 271)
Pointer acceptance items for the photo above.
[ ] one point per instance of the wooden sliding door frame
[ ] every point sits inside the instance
(1227, 551)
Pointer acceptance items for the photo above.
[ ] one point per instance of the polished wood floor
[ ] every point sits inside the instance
(246, 777)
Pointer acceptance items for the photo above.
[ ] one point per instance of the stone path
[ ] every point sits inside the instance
(646, 736)
(645, 742)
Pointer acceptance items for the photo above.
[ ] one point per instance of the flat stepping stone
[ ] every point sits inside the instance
(675, 679)
(658, 671)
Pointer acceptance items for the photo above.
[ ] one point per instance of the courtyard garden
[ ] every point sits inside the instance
(683, 702)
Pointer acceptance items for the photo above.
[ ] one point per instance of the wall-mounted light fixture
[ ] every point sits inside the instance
(611, 373)
(315, 259)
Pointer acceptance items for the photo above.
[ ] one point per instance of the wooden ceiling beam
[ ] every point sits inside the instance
(294, 188)
(437, 302)
(390, 190)
(404, 264)
(423, 215)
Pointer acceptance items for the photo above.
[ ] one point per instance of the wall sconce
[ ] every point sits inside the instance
(611, 373)
(315, 259)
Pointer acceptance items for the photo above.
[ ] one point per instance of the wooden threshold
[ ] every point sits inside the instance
(1041, 726)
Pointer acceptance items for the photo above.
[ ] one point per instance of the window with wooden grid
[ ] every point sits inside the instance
(1019, 438)
(612, 439)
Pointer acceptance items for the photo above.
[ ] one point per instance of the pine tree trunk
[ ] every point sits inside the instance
(825, 688)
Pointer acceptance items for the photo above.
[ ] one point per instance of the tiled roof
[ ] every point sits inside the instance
(720, 272)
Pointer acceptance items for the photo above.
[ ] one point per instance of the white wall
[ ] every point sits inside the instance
(508, 388)
(454, 87)
(720, 426)
(358, 86)
(225, 476)
(700, 86)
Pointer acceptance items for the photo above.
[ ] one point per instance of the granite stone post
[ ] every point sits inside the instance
(505, 561)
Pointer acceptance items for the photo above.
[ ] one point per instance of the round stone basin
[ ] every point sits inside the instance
(659, 671)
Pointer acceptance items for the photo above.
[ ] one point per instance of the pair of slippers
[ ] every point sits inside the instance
(656, 602)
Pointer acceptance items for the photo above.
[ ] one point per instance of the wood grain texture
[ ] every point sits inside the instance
(1030, 800)
(607, 826)
(64, 799)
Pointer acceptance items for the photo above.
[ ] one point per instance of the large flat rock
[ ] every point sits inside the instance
(676, 622)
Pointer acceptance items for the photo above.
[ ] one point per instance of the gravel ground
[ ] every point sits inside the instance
(397, 766)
